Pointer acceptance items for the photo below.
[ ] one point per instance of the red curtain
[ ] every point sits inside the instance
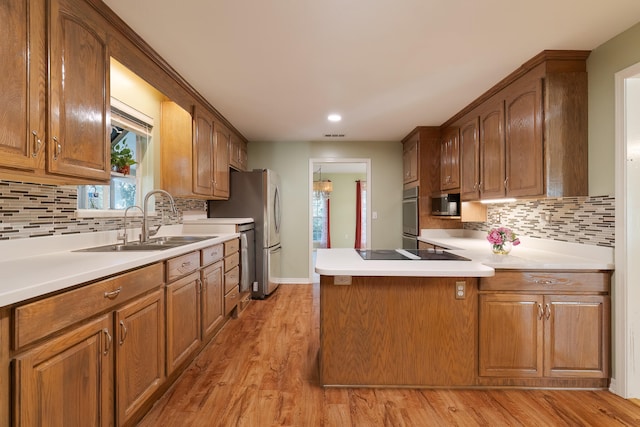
(328, 224)
(358, 243)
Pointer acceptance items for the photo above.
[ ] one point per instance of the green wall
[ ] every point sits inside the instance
(615, 55)
(291, 161)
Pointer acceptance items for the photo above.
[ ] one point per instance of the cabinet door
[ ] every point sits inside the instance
(492, 160)
(212, 297)
(176, 128)
(67, 381)
(410, 160)
(22, 83)
(203, 136)
(470, 161)
(577, 336)
(450, 160)
(221, 162)
(183, 320)
(510, 335)
(524, 144)
(78, 139)
(140, 352)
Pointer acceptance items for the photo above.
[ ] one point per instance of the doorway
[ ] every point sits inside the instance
(332, 201)
(626, 293)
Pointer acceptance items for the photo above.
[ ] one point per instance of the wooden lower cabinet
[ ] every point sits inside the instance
(183, 320)
(212, 298)
(139, 344)
(67, 381)
(552, 337)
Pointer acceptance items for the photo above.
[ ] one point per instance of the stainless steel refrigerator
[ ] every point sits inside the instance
(256, 194)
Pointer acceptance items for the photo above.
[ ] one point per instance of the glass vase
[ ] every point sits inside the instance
(502, 249)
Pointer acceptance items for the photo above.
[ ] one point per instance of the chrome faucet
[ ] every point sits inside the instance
(123, 236)
(146, 233)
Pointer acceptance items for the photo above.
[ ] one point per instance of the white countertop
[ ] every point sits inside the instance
(34, 267)
(347, 262)
(531, 254)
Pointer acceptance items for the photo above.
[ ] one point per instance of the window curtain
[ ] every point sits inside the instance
(358, 242)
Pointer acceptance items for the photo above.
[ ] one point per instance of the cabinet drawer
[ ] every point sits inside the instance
(231, 278)
(231, 261)
(44, 317)
(231, 300)
(184, 264)
(547, 281)
(212, 254)
(231, 246)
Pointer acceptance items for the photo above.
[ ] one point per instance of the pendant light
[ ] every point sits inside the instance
(320, 185)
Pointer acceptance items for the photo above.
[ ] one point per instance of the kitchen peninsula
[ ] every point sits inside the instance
(524, 322)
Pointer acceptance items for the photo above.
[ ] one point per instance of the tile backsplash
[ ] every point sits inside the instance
(587, 220)
(33, 210)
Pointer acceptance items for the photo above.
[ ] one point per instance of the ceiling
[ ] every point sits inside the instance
(275, 69)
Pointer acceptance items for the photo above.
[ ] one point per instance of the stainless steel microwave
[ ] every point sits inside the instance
(446, 205)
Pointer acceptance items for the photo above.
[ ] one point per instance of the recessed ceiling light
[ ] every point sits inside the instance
(334, 117)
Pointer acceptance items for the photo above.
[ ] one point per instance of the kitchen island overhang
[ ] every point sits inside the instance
(397, 323)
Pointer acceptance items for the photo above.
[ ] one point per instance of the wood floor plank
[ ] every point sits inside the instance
(262, 370)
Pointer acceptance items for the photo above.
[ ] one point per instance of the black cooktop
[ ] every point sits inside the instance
(410, 254)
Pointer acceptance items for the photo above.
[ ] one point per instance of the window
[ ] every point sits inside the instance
(130, 138)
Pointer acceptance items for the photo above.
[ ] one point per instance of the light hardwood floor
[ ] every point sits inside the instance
(261, 370)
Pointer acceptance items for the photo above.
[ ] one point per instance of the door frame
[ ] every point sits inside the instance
(625, 379)
(313, 164)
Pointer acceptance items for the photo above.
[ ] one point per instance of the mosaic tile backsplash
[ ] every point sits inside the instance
(34, 210)
(587, 220)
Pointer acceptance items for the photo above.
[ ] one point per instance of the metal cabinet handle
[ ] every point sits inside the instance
(123, 332)
(543, 282)
(506, 180)
(37, 143)
(113, 294)
(186, 264)
(547, 309)
(540, 311)
(58, 148)
(107, 346)
(200, 285)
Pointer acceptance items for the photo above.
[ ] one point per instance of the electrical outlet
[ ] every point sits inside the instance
(341, 280)
(461, 291)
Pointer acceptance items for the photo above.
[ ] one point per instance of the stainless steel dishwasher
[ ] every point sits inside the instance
(247, 256)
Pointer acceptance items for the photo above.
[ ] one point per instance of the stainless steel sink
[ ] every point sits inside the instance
(156, 244)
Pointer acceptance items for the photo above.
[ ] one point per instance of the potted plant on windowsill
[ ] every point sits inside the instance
(121, 158)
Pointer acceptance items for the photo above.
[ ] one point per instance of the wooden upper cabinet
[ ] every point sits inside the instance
(450, 160)
(78, 139)
(59, 77)
(492, 151)
(410, 159)
(532, 132)
(176, 140)
(203, 136)
(238, 153)
(470, 160)
(22, 83)
(524, 144)
(221, 142)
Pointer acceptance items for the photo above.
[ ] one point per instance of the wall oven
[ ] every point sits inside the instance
(410, 218)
